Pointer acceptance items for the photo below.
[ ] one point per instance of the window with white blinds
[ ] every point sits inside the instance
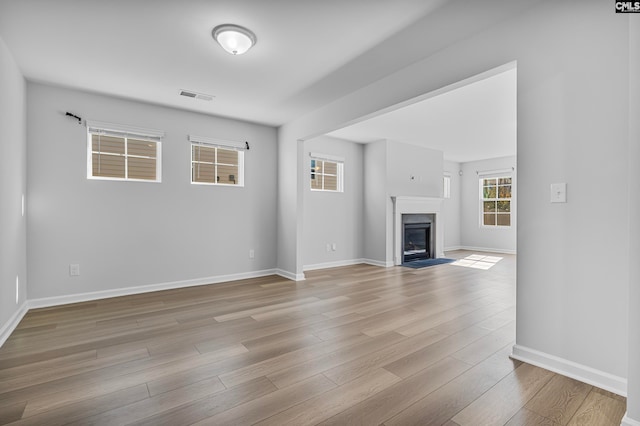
(327, 173)
(215, 163)
(122, 153)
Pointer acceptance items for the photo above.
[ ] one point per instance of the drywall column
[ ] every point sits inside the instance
(13, 183)
(633, 376)
(290, 205)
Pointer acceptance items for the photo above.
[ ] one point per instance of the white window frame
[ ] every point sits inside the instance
(125, 132)
(339, 161)
(217, 143)
(446, 186)
(500, 174)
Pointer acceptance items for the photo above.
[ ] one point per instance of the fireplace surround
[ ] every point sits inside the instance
(420, 210)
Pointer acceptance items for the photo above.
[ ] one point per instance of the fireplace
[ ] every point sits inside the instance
(417, 239)
(416, 242)
(416, 210)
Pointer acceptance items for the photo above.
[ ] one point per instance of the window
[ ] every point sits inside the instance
(215, 164)
(326, 174)
(446, 182)
(120, 153)
(496, 200)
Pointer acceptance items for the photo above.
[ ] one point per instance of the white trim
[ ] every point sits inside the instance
(583, 373)
(326, 157)
(123, 128)
(453, 248)
(628, 421)
(11, 324)
(84, 297)
(222, 143)
(380, 263)
(497, 173)
(335, 264)
(446, 186)
(290, 275)
(487, 249)
(417, 205)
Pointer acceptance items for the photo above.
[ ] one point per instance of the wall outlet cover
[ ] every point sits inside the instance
(558, 192)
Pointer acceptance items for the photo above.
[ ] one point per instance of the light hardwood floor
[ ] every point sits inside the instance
(357, 345)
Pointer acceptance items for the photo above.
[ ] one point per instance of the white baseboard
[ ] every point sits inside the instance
(601, 379)
(378, 263)
(13, 322)
(487, 249)
(85, 297)
(627, 421)
(336, 264)
(290, 275)
(452, 248)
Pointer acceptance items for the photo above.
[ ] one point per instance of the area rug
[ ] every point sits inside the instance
(423, 263)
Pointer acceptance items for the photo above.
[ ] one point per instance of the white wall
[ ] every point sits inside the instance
(452, 207)
(126, 234)
(474, 236)
(572, 127)
(13, 184)
(334, 217)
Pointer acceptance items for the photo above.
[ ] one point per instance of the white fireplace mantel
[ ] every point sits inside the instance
(416, 205)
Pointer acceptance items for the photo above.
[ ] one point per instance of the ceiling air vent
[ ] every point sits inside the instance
(196, 95)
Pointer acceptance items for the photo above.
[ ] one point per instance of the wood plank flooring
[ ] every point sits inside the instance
(357, 345)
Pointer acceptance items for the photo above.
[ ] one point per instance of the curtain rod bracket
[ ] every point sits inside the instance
(68, 114)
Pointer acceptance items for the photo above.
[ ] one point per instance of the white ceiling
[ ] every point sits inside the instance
(309, 53)
(149, 50)
(473, 122)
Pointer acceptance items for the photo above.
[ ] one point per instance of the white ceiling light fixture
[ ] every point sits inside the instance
(234, 38)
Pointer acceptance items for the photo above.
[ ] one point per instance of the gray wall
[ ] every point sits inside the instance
(334, 217)
(126, 234)
(375, 201)
(451, 207)
(413, 170)
(633, 397)
(473, 235)
(569, 129)
(573, 130)
(394, 169)
(13, 184)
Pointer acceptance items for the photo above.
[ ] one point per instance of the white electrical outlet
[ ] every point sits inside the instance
(328, 247)
(252, 254)
(334, 246)
(74, 269)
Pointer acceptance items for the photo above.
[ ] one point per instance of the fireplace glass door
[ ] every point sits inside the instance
(417, 237)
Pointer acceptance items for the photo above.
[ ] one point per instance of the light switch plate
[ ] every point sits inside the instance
(558, 192)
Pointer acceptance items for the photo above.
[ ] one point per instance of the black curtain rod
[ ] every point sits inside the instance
(68, 114)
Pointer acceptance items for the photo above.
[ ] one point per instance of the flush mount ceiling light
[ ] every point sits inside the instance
(234, 38)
